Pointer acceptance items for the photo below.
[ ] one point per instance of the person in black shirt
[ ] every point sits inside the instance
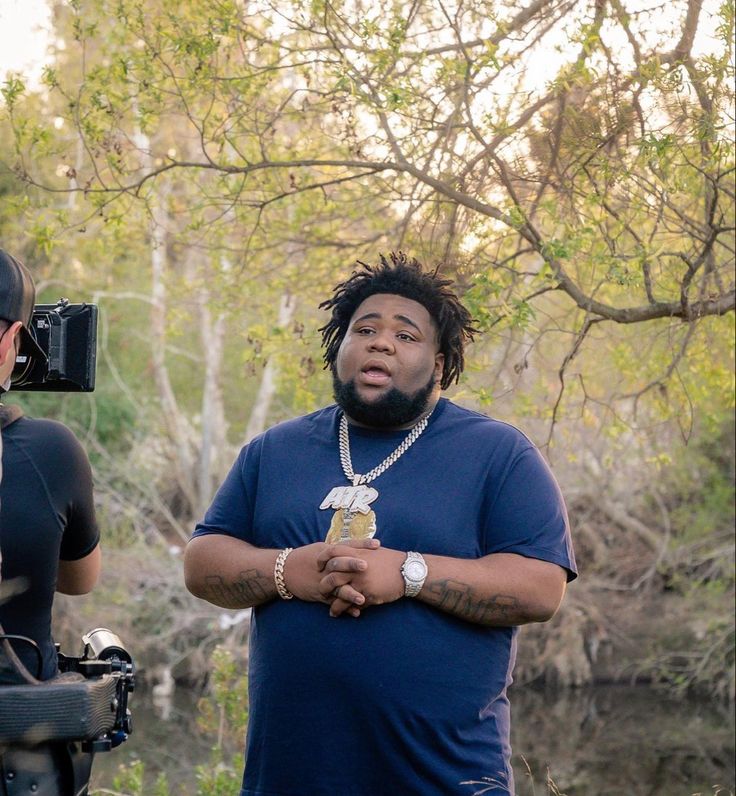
(49, 539)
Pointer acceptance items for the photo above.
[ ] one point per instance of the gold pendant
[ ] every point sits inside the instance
(348, 525)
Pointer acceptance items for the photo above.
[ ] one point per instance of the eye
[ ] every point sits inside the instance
(405, 336)
(364, 330)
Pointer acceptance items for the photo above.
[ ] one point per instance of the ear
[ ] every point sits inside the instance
(439, 365)
(7, 342)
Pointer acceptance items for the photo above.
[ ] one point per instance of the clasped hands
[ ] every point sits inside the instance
(348, 576)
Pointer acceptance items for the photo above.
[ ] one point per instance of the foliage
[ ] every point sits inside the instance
(130, 782)
(656, 551)
(192, 166)
(223, 716)
(699, 494)
(701, 486)
(217, 779)
(224, 712)
(266, 147)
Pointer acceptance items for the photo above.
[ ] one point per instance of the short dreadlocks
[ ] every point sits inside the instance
(405, 277)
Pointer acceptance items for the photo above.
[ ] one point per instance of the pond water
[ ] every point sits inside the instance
(604, 741)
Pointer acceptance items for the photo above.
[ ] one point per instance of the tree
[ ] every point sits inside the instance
(570, 159)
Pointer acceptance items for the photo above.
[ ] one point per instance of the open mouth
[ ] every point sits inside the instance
(375, 372)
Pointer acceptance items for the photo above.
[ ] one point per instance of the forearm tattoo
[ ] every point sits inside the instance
(249, 587)
(460, 599)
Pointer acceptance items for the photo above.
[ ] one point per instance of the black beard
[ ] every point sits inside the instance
(391, 410)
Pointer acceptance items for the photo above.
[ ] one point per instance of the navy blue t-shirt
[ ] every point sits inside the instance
(405, 699)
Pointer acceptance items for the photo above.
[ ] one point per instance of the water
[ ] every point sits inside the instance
(605, 741)
(621, 741)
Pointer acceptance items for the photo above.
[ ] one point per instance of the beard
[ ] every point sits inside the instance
(393, 409)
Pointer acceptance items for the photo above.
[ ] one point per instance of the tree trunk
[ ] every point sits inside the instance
(214, 425)
(178, 428)
(267, 388)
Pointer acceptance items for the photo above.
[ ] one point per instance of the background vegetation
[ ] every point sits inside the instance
(207, 172)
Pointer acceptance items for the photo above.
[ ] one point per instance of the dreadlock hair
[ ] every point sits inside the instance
(403, 277)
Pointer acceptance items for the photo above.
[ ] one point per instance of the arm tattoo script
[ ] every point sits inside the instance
(249, 588)
(460, 599)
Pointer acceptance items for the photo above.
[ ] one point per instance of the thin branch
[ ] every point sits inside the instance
(571, 354)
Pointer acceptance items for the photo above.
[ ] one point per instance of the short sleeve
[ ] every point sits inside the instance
(528, 515)
(81, 533)
(231, 511)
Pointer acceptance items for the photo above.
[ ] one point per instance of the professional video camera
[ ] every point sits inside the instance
(67, 334)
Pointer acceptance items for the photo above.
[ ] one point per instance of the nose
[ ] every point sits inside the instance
(381, 341)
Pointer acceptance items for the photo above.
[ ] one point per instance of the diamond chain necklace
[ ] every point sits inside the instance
(346, 460)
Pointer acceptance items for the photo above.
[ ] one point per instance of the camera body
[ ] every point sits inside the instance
(67, 333)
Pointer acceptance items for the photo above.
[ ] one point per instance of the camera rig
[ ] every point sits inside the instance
(51, 729)
(86, 703)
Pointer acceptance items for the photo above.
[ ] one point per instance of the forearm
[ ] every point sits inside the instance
(229, 572)
(234, 574)
(501, 589)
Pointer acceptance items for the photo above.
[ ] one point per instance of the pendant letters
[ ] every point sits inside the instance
(351, 498)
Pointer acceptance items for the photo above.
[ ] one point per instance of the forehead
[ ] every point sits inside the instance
(391, 305)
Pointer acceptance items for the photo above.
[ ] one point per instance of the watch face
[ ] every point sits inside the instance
(415, 570)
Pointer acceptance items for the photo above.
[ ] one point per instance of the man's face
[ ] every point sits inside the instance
(8, 348)
(390, 348)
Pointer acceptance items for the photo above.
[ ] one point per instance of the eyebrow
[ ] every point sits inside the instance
(378, 316)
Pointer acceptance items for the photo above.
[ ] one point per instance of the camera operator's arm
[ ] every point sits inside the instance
(79, 577)
(80, 555)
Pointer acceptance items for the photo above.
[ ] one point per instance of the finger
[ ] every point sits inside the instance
(344, 549)
(348, 594)
(341, 591)
(345, 564)
(339, 607)
(330, 583)
(361, 544)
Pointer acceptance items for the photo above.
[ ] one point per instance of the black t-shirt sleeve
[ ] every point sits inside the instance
(73, 479)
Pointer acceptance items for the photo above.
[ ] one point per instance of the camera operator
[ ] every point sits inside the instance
(49, 538)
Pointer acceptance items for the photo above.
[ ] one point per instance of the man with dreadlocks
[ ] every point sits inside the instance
(389, 544)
